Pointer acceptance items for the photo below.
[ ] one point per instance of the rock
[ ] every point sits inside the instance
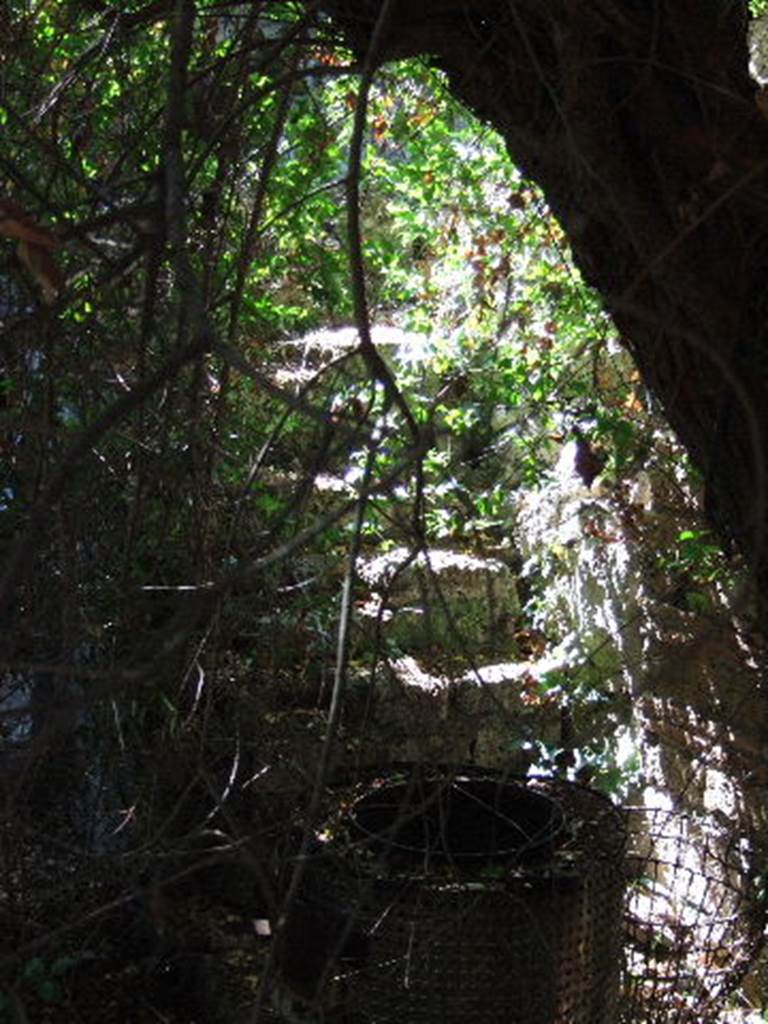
(447, 600)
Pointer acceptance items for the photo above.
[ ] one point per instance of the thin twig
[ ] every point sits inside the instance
(20, 556)
(332, 727)
(376, 365)
(257, 208)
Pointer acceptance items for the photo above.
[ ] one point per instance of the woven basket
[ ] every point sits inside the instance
(483, 899)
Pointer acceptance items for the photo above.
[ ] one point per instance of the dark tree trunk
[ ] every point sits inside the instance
(639, 121)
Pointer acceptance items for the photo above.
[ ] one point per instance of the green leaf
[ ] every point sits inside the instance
(34, 970)
(63, 964)
(50, 991)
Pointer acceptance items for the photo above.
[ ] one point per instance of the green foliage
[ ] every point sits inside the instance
(699, 555)
(695, 565)
(43, 979)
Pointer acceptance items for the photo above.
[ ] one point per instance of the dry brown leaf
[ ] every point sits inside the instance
(34, 248)
(39, 262)
(15, 223)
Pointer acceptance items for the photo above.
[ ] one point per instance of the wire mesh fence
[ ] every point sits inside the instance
(694, 921)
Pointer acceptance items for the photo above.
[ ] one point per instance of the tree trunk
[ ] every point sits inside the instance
(639, 121)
